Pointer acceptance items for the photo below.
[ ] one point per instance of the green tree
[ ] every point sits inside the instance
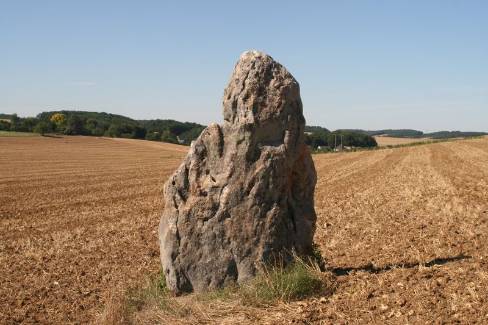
(4, 125)
(138, 132)
(118, 131)
(14, 122)
(93, 127)
(192, 134)
(75, 126)
(167, 136)
(27, 124)
(315, 140)
(153, 136)
(43, 127)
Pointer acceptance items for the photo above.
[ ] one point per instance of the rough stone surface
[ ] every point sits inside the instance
(244, 193)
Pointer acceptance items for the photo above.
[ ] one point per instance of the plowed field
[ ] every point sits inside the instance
(405, 231)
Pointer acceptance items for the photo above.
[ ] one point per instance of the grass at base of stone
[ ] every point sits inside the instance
(125, 306)
(153, 291)
(153, 301)
(300, 280)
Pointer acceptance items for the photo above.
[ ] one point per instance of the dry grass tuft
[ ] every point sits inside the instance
(115, 311)
(141, 303)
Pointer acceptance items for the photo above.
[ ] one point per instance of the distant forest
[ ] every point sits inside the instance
(103, 124)
(409, 133)
(118, 126)
(321, 138)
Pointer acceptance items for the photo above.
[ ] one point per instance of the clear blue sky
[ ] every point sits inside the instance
(360, 64)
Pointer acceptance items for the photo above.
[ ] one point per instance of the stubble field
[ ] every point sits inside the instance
(384, 141)
(404, 231)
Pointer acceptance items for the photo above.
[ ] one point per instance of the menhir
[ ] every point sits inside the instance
(244, 193)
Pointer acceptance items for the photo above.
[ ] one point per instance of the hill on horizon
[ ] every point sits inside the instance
(411, 133)
(172, 131)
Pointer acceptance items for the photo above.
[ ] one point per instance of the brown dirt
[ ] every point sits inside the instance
(404, 231)
(78, 216)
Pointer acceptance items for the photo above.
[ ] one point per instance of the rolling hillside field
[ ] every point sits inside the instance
(384, 141)
(404, 233)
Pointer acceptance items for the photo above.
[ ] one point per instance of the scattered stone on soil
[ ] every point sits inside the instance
(244, 193)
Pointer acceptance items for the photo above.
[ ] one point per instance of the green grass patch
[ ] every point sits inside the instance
(298, 280)
(17, 134)
(154, 291)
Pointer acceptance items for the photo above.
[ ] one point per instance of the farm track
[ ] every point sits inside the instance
(404, 230)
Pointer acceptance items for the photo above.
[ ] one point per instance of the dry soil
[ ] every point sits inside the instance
(404, 231)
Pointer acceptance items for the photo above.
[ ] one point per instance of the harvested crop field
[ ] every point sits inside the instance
(403, 230)
(384, 141)
(78, 217)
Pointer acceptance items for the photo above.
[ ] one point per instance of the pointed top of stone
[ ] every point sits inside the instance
(252, 54)
(261, 89)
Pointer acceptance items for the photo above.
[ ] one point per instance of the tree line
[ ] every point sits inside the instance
(118, 126)
(102, 124)
(321, 138)
(409, 133)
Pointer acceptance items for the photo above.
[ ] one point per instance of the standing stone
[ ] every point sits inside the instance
(244, 193)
